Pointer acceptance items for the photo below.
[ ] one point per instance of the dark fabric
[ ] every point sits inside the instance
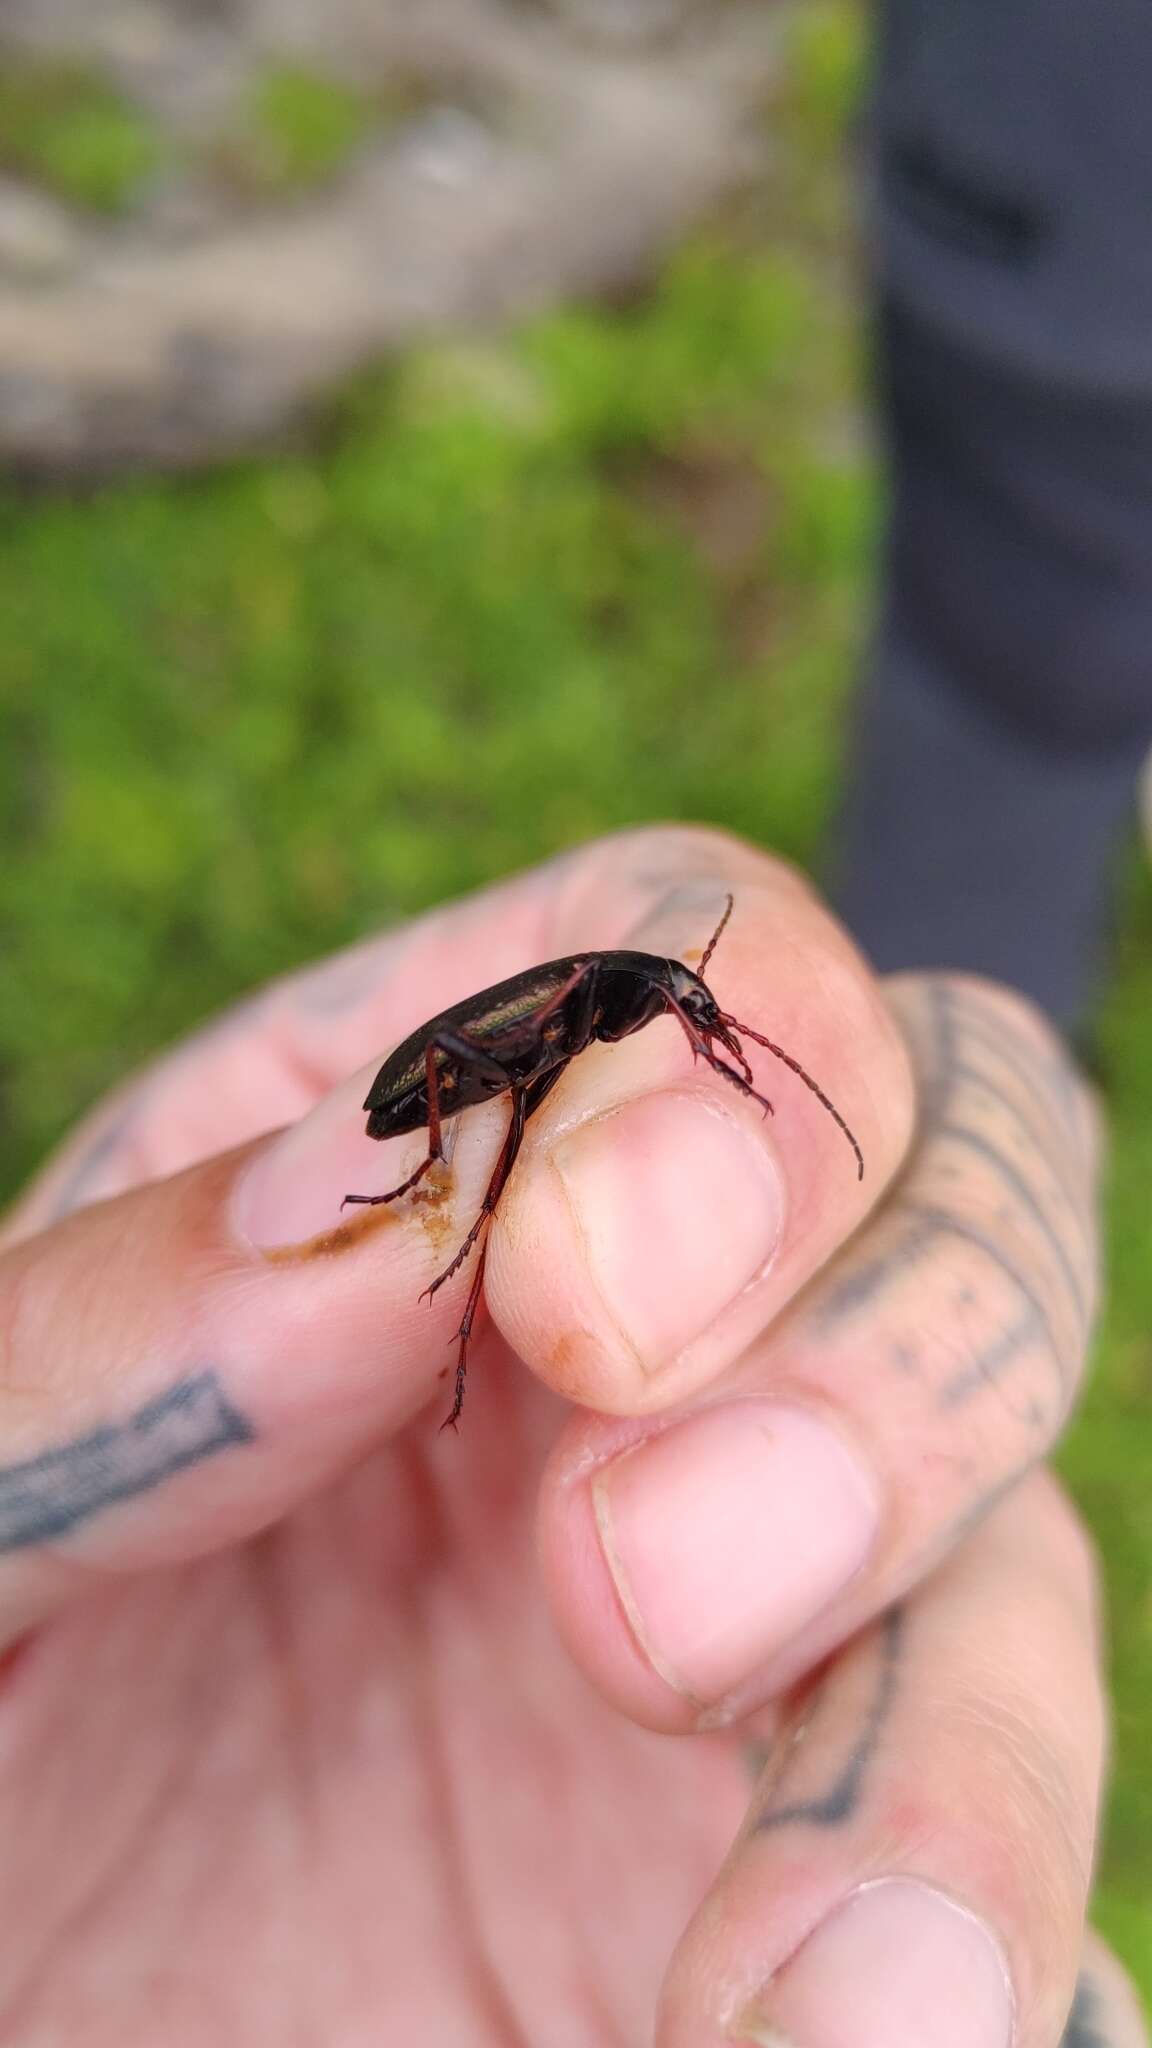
(1001, 731)
(1020, 544)
(1013, 180)
(1008, 709)
(965, 846)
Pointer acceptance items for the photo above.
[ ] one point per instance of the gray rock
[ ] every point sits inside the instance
(37, 239)
(552, 147)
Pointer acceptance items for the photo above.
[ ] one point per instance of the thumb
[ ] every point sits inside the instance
(171, 1381)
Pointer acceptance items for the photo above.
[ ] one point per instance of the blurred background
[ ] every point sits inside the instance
(423, 446)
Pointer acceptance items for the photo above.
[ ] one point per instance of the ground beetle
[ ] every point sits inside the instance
(518, 1037)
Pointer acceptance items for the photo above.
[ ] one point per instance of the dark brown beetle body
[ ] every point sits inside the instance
(589, 1004)
(517, 1038)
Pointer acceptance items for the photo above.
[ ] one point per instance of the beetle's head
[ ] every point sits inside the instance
(699, 1006)
(696, 999)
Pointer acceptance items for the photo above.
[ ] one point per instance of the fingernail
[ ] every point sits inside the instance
(679, 1205)
(897, 1965)
(293, 1187)
(729, 1532)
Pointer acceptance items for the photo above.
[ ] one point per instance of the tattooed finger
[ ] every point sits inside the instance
(915, 1863)
(703, 1565)
(167, 1388)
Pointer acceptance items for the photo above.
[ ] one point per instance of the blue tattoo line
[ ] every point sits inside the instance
(54, 1492)
(828, 1809)
(1085, 2027)
(86, 1171)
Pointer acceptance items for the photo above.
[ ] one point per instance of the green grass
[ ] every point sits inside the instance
(1106, 1458)
(614, 567)
(65, 127)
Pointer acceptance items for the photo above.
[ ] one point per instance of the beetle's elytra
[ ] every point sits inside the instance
(518, 1037)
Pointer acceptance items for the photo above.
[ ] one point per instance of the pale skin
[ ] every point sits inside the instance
(320, 1727)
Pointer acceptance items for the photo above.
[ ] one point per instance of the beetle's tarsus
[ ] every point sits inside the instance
(435, 1285)
(746, 1088)
(701, 1045)
(462, 1336)
(372, 1201)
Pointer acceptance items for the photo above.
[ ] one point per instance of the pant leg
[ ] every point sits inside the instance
(1000, 733)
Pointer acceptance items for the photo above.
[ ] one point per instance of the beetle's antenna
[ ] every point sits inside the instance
(747, 1032)
(710, 948)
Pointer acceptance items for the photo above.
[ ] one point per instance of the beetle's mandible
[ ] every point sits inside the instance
(518, 1037)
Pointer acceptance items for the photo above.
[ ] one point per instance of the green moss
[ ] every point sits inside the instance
(67, 128)
(300, 128)
(827, 53)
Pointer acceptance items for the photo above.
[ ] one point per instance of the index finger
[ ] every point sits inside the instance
(272, 1061)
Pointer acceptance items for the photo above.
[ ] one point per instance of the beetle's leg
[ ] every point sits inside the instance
(524, 1102)
(507, 1158)
(371, 1201)
(435, 1147)
(702, 1047)
(465, 1053)
(734, 1046)
(548, 1029)
(463, 1333)
(583, 978)
(719, 1066)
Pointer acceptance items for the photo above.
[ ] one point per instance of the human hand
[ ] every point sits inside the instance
(291, 1747)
